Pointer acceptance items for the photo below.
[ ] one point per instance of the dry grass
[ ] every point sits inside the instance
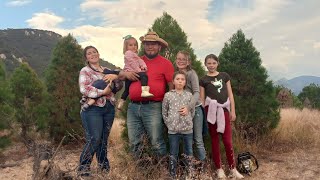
(123, 166)
(296, 138)
(297, 128)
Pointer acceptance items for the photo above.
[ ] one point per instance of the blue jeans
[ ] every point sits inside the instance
(197, 133)
(174, 140)
(97, 123)
(146, 119)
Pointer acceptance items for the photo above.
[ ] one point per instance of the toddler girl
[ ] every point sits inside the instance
(135, 64)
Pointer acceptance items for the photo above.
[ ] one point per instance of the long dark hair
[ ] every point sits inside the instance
(85, 56)
(211, 56)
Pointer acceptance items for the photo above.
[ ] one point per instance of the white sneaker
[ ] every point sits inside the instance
(236, 174)
(221, 174)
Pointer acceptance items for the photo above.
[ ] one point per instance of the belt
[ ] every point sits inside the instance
(144, 102)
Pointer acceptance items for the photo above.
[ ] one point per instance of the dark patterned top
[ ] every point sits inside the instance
(215, 86)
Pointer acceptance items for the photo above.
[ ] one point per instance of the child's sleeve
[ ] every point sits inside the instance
(142, 65)
(192, 108)
(227, 77)
(132, 60)
(195, 90)
(165, 108)
(201, 83)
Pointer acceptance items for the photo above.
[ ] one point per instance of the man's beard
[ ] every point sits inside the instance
(151, 56)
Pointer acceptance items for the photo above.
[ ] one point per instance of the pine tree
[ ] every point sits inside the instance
(256, 104)
(6, 110)
(28, 91)
(169, 30)
(63, 88)
(312, 92)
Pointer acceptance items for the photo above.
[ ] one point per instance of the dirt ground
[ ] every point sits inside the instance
(296, 164)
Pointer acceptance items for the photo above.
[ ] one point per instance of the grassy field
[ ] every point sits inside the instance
(291, 151)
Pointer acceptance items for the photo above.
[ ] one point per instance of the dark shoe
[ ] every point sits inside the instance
(172, 166)
(83, 100)
(84, 107)
(84, 171)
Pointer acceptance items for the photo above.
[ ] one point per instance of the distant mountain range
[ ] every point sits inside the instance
(298, 83)
(29, 45)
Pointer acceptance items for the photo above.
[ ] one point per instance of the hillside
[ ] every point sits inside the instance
(298, 83)
(29, 45)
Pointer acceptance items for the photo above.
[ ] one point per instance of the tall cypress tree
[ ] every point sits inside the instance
(255, 97)
(169, 30)
(63, 88)
(28, 96)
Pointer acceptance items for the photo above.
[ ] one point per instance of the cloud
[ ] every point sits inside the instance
(316, 45)
(18, 3)
(290, 52)
(45, 20)
(121, 17)
(282, 31)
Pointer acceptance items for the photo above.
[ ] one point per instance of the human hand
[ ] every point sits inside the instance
(107, 90)
(132, 76)
(183, 111)
(232, 116)
(110, 77)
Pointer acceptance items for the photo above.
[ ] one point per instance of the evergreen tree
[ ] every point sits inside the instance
(6, 111)
(63, 88)
(28, 96)
(169, 30)
(255, 98)
(312, 92)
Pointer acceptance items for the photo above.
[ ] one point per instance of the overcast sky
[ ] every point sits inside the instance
(285, 32)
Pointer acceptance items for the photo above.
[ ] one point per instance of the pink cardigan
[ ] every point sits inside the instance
(216, 113)
(133, 62)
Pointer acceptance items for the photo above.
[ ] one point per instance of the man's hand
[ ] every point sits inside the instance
(132, 76)
(183, 111)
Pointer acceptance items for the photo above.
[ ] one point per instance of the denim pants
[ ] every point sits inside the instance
(197, 133)
(97, 123)
(174, 140)
(146, 119)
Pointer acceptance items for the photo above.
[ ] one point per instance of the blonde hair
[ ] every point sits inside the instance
(187, 55)
(125, 43)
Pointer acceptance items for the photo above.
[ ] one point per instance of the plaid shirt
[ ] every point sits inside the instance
(86, 78)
